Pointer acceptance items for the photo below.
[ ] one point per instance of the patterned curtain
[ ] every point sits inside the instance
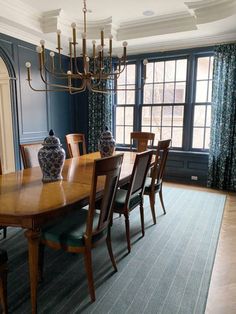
(100, 113)
(222, 154)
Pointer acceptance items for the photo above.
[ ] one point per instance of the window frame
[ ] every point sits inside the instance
(191, 55)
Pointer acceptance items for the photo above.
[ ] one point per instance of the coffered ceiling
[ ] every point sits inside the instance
(172, 24)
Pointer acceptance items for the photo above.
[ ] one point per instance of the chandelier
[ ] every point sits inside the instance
(96, 71)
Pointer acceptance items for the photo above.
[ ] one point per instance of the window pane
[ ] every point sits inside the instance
(199, 115)
(207, 138)
(167, 115)
(129, 115)
(158, 94)
(203, 68)
(201, 92)
(177, 137)
(131, 74)
(119, 115)
(169, 93)
(130, 95)
(120, 134)
(178, 116)
(147, 95)
(181, 70)
(149, 72)
(166, 133)
(146, 129)
(208, 117)
(157, 131)
(121, 78)
(210, 91)
(169, 71)
(211, 68)
(198, 135)
(159, 72)
(121, 97)
(156, 116)
(146, 115)
(180, 92)
(128, 130)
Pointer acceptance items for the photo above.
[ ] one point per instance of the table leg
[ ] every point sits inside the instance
(33, 251)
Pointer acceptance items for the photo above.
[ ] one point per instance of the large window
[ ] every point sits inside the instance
(174, 103)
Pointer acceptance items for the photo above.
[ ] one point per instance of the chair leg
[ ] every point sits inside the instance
(3, 287)
(161, 199)
(89, 271)
(152, 205)
(109, 247)
(142, 218)
(41, 260)
(127, 229)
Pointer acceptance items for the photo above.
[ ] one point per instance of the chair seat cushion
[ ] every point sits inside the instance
(3, 256)
(148, 185)
(69, 230)
(121, 197)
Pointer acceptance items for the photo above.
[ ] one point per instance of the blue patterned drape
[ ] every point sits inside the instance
(222, 154)
(100, 112)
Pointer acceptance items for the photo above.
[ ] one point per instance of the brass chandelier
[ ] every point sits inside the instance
(97, 69)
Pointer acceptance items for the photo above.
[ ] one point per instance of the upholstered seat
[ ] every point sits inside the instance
(121, 198)
(70, 230)
(148, 185)
(3, 256)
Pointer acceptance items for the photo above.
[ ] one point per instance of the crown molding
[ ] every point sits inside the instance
(210, 11)
(159, 25)
(203, 41)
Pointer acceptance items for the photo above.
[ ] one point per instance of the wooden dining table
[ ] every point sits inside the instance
(27, 202)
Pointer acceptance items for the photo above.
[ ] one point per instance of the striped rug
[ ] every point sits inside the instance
(167, 271)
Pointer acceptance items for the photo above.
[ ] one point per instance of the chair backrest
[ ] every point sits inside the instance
(107, 169)
(139, 174)
(143, 140)
(161, 158)
(75, 145)
(29, 154)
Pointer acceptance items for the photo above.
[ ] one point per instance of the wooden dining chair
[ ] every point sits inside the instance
(76, 145)
(143, 140)
(3, 228)
(82, 230)
(29, 154)
(3, 280)
(153, 184)
(128, 199)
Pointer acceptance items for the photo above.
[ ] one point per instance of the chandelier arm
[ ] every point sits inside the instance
(46, 90)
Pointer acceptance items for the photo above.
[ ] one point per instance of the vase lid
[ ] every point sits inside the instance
(106, 134)
(51, 140)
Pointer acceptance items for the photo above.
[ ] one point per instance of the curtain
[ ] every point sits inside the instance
(100, 112)
(222, 153)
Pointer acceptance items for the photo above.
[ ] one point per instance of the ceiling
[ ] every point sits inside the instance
(174, 24)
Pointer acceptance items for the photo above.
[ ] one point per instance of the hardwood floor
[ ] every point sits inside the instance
(222, 293)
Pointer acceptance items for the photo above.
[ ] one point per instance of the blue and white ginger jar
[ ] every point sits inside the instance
(106, 144)
(51, 158)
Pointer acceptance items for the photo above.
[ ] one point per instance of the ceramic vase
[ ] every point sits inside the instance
(106, 144)
(51, 158)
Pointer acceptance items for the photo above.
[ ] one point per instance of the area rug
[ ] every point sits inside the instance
(167, 271)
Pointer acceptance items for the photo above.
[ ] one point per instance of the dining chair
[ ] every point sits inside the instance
(82, 230)
(75, 144)
(3, 228)
(153, 183)
(3, 280)
(128, 199)
(143, 140)
(29, 154)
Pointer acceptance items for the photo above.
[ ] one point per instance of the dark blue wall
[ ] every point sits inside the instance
(34, 113)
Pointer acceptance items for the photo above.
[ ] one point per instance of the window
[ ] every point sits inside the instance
(125, 101)
(174, 103)
(202, 105)
(163, 100)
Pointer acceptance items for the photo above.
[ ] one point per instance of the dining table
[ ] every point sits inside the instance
(27, 202)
